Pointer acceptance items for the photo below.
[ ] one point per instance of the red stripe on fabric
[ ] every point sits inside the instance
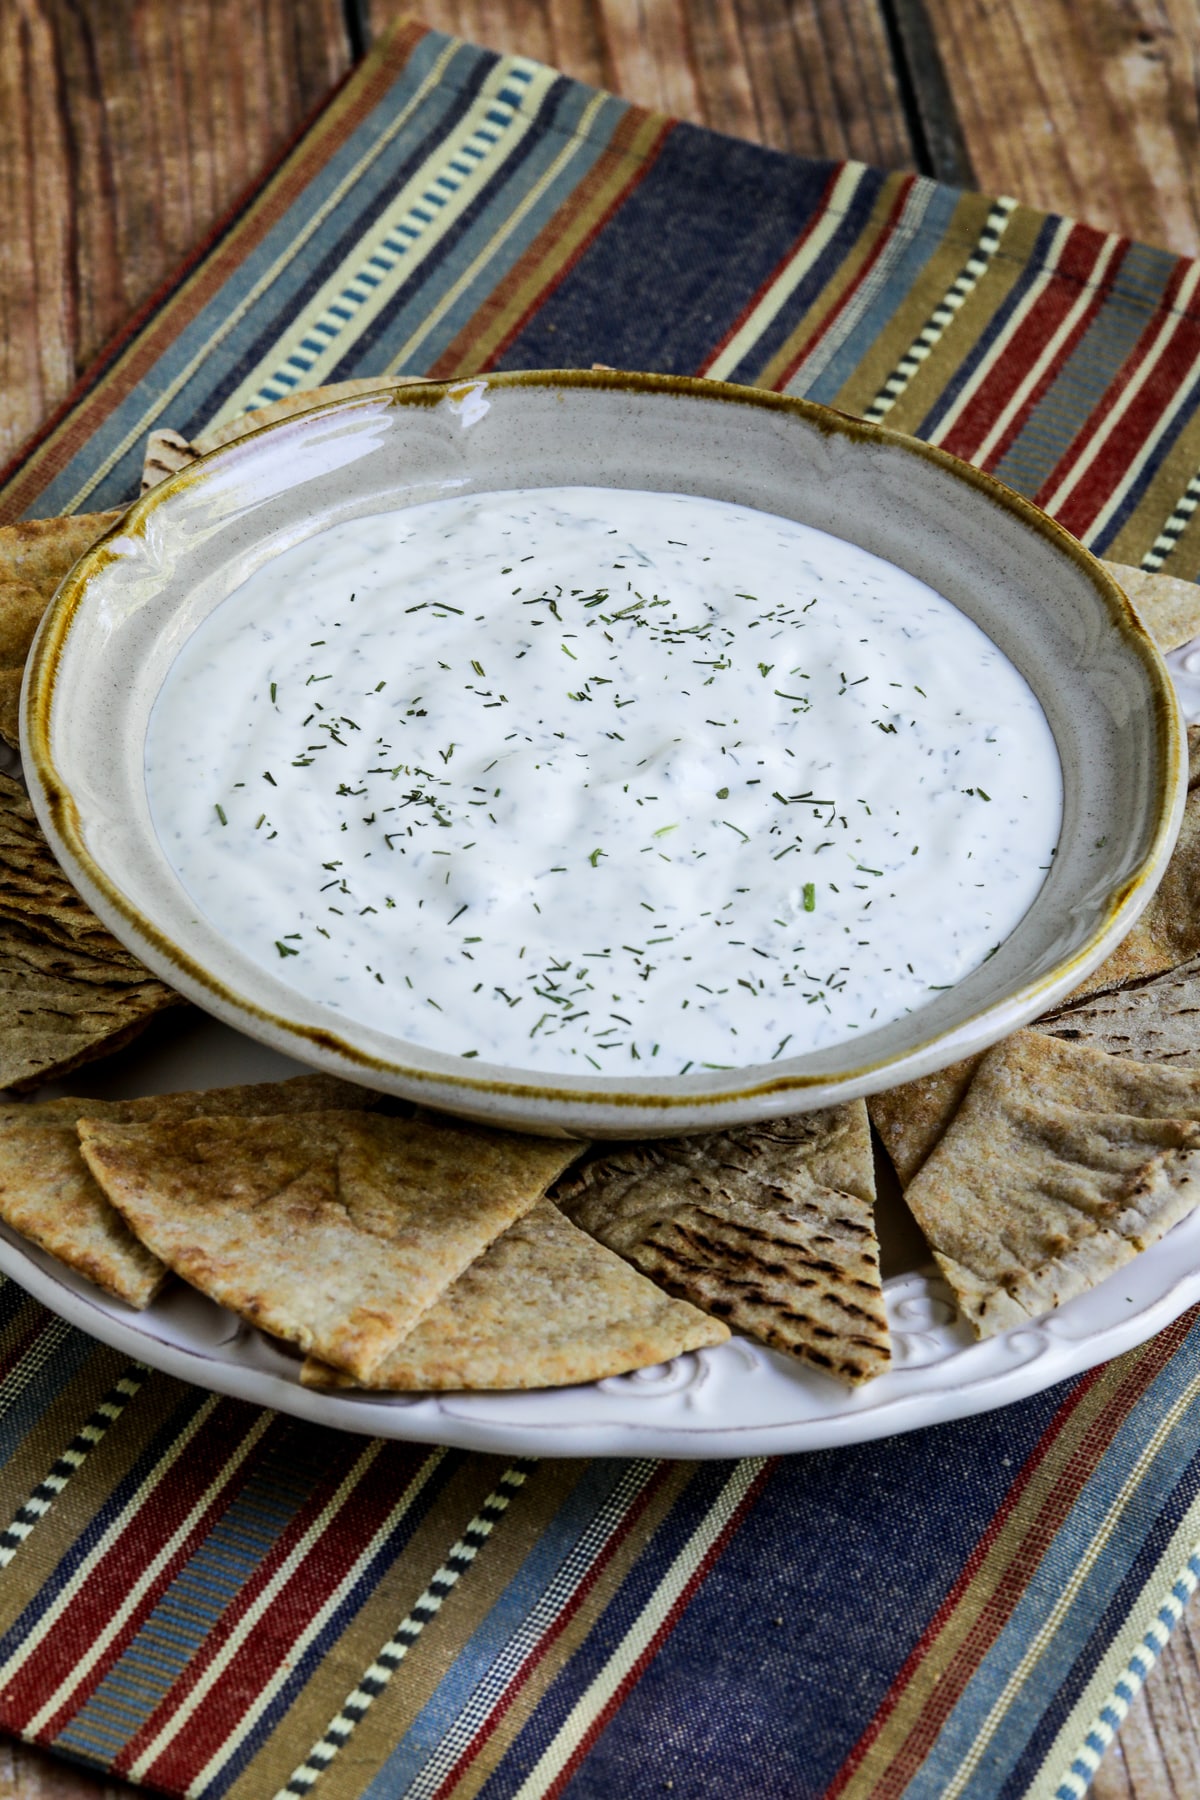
(145, 1535)
(555, 1629)
(1116, 387)
(695, 1581)
(1016, 1578)
(270, 1647)
(653, 152)
(1149, 408)
(1078, 259)
(760, 294)
(145, 337)
(887, 231)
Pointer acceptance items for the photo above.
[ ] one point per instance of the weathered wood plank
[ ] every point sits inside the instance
(1157, 1754)
(1089, 110)
(811, 76)
(125, 132)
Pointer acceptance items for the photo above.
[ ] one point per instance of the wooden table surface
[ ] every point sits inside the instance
(127, 126)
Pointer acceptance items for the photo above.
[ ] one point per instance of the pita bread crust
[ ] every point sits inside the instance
(335, 1230)
(35, 554)
(48, 1193)
(1060, 1165)
(770, 1226)
(1168, 607)
(544, 1306)
(911, 1118)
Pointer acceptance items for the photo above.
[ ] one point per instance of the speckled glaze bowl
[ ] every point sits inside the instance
(121, 615)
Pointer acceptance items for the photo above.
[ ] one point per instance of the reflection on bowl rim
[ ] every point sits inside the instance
(531, 1098)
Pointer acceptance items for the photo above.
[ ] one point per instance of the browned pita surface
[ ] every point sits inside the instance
(1061, 1163)
(68, 991)
(768, 1226)
(1168, 607)
(35, 554)
(911, 1118)
(1168, 932)
(1157, 1021)
(544, 1306)
(48, 1193)
(335, 1230)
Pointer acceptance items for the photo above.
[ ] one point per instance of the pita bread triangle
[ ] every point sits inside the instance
(544, 1306)
(335, 1230)
(770, 1227)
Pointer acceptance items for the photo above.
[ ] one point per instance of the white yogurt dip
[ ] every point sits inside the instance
(583, 779)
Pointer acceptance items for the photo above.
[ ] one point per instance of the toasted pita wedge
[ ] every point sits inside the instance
(1157, 1022)
(1168, 932)
(335, 1230)
(48, 1193)
(911, 1118)
(35, 554)
(544, 1306)
(1060, 1165)
(69, 991)
(1168, 607)
(768, 1226)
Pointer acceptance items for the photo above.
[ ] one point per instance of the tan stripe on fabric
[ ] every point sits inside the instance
(844, 276)
(664, 1495)
(635, 138)
(892, 1759)
(343, 1665)
(922, 300)
(1156, 506)
(969, 323)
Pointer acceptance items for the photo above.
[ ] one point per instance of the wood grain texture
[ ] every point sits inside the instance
(126, 131)
(1157, 1754)
(812, 76)
(1088, 109)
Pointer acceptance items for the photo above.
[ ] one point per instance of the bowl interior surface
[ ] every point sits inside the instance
(122, 615)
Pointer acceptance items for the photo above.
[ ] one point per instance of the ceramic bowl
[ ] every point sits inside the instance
(121, 615)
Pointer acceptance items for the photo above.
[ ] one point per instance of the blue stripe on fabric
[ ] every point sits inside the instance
(360, 1592)
(687, 251)
(610, 1629)
(191, 1607)
(1032, 272)
(904, 260)
(200, 396)
(1099, 541)
(1107, 1624)
(756, 1692)
(517, 1601)
(21, 1411)
(1079, 384)
(234, 1420)
(408, 310)
(1059, 1566)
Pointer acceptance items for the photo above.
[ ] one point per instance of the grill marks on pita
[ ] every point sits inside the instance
(769, 1227)
(1060, 1165)
(334, 1230)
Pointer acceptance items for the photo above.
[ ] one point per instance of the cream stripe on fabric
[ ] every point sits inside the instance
(266, 1695)
(1133, 473)
(1036, 289)
(1097, 1716)
(1112, 419)
(592, 1702)
(1050, 351)
(414, 224)
(94, 1651)
(545, 181)
(1047, 1634)
(251, 1617)
(163, 399)
(789, 279)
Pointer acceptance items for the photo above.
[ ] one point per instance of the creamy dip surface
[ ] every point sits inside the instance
(581, 779)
